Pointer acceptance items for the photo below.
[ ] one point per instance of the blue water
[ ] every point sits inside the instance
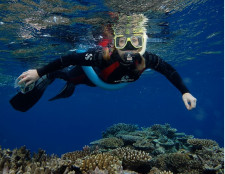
(193, 44)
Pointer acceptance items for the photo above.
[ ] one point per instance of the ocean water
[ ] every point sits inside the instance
(187, 34)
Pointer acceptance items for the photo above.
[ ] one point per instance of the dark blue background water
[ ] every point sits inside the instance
(67, 125)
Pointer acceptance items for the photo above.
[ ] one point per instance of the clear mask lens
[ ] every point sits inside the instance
(121, 41)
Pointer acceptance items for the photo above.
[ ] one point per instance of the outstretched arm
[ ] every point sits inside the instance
(156, 63)
(83, 59)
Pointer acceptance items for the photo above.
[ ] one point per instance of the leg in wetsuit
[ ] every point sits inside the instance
(73, 76)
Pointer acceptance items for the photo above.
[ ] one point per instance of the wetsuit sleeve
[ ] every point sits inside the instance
(82, 59)
(156, 63)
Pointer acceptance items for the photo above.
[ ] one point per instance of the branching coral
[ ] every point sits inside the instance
(133, 159)
(129, 155)
(20, 161)
(202, 142)
(155, 170)
(73, 156)
(14, 159)
(104, 161)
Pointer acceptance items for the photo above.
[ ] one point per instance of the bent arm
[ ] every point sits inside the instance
(82, 59)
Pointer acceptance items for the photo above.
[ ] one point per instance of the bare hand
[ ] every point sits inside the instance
(189, 101)
(28, 77)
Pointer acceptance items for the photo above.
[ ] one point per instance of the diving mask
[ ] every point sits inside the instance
(135, 41)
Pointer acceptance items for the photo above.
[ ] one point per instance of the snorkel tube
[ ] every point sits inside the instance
(98, 82)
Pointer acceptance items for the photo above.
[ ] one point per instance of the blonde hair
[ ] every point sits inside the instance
(135, 23)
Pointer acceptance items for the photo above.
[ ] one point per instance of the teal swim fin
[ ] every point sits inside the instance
(67, 91)
(24, 101)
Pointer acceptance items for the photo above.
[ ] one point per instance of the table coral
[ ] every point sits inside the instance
(108, 143)
(118, 128)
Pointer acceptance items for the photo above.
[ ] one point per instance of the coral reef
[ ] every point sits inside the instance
(124, 149)
(157, 139)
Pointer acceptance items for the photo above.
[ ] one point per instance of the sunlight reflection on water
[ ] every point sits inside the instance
(39, 31)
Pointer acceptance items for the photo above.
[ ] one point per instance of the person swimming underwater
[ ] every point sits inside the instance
(125, 63)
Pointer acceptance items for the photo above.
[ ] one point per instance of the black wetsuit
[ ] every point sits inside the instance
(111, 71)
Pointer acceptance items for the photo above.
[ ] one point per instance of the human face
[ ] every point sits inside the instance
(136, 41)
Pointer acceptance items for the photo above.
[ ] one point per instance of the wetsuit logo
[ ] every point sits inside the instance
(88, 56)
(125, 78)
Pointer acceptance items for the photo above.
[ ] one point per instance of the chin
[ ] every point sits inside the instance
(133, 51)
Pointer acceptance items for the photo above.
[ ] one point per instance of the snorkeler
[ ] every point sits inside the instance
(123, 63)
